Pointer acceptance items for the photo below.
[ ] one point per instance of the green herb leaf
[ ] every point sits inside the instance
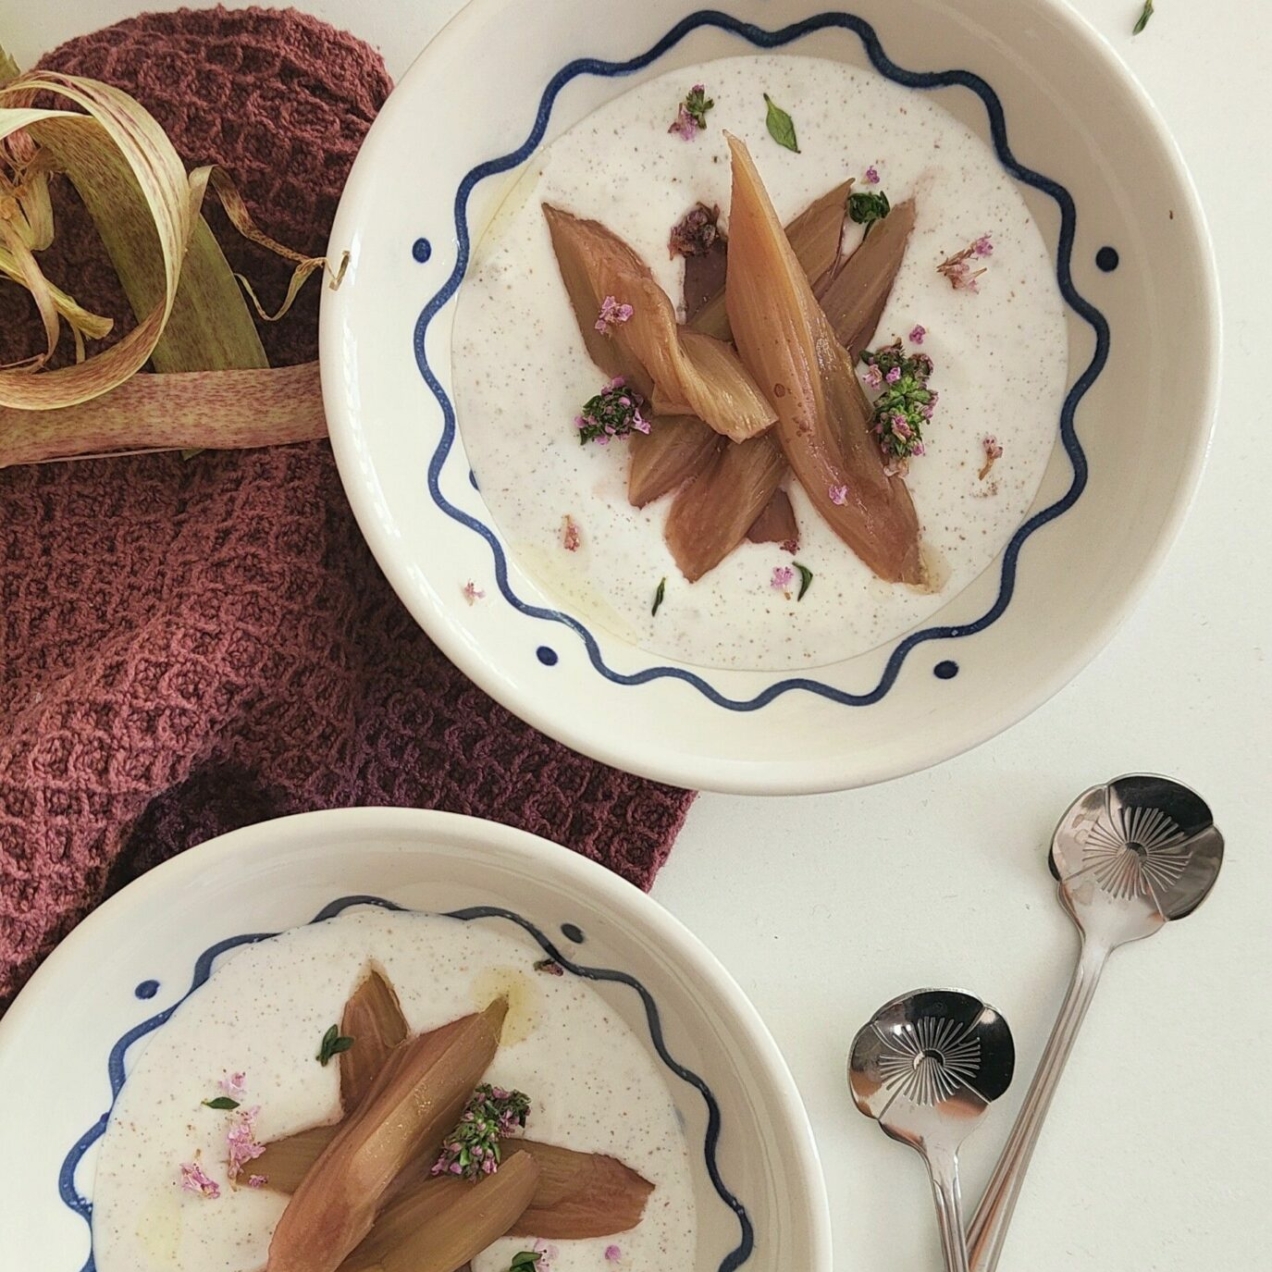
(333, 1043)
(221, 1102)
(658, 596)
(613, 412)
(805, 579)
(868, 206)
(472, 1149)
(1145, 14)
(780, 125)
(524, 1261)
(697, 103)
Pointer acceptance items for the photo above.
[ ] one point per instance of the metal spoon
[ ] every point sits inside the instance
(1129, 857)
(925, 1068)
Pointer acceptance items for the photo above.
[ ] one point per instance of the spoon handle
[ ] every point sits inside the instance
(943, 1170)
(988, 1228)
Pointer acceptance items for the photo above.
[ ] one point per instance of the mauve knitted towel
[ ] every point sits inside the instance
(189, 647)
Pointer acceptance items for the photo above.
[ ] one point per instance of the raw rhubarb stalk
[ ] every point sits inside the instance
(712, 513)
(685, 372)
(673, 450)
(776, 522)
(414, 1101)
(441, 1225)
(854, 296)
(578, 1194)
(373, 1019)
(823, 415)
(814, 236)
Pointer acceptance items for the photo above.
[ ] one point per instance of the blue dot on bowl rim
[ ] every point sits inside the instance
(947, 669)
(546, 655)
(572, 932)
(147, 989)
(1107, 259)
(421, 249)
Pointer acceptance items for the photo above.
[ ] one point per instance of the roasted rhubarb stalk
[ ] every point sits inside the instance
(814, 236)
(673, 450)
(443, 1224)
(823, 416)
(854, 296)
(415, 1100)
(578, 1194)
(373, 1019)
(712, 513)
(776, 522)
(285, 1162)
(685, 373)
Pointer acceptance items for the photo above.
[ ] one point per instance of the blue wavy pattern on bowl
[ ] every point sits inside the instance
(82, 1206)
(762, 38)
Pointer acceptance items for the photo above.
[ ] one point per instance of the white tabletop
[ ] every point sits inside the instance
(1156, 1154)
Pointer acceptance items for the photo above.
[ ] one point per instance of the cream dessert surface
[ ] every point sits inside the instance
(594, 1087)
(522, 374)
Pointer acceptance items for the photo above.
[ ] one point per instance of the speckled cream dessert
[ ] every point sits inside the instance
(593, 1086)
(999, 349)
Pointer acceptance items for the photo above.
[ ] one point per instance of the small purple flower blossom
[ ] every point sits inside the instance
(872, 175)
(613, 312)
(984, 246)
(838, 495)
(873, 377)
(257, 1181)
(472, 1148)
(904, 405)
(241, 1141)
(194, 1179)
(472, 593)
(613, 412)
(234, 1085)
(613, 1254)
(918, 334)
(691, 116)
(783, 577)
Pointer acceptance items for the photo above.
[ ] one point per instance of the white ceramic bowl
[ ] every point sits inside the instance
(78, 1026)
(1098, 171)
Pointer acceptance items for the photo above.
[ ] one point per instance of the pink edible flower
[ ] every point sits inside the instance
(958, 269)
(838, 495)
(195, 1180)
(234, 1085)
(613, 1253)
(257, 1181)
(472, 593)
(241, 1142)
(873, 377)
(783, 577)
(872, 175)
(917, 334)
(547, 1254)
(570, 534)
(684, 125)
(894, 374)
(613, 312)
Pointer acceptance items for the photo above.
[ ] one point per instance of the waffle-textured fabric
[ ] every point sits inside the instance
(187, 647)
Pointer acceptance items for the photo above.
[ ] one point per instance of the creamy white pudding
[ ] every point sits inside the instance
(521, 372)
(594, 1087)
